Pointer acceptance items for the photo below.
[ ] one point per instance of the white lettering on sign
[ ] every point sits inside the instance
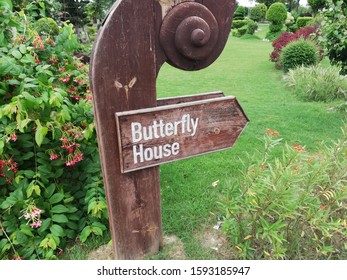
(160, 129)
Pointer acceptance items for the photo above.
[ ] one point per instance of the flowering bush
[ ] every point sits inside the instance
(293, 207)
(50, 179)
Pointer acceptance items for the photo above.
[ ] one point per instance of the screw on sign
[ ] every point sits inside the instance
(136, 132)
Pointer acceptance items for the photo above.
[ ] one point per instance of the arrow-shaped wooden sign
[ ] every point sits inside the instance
(153, 136)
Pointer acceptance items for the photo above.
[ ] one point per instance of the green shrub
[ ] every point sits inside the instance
(291, 207)
(47, 26)
(243, 30)
(303, 21)
(272, 36)
(297, 53)
(51, 190)
(240, 13)
(317, 83)
(258, 12)
(235, 33)
(239, 23)
(277, 13)
(273, 28)
(293, 28)
(252, 26)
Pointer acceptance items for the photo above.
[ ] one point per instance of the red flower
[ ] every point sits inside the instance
(323, 207)
(298, 148)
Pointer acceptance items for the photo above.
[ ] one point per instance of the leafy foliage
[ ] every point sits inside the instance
(303, 21)
(277, 15)
(317, 83)
(258, 12)
(244, 27)
(317, 5)
(334, 33)
(297, 53)
(239, 23)
(308, 33)
(293, 207)
(51, 187)
(240, 13)
(47, 26)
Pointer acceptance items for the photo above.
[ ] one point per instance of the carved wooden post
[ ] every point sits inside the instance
(137, 37)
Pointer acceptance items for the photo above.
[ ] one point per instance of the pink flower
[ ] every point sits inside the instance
(53, 156)
(36, 224)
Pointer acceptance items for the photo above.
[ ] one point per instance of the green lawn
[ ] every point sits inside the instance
(189, 202)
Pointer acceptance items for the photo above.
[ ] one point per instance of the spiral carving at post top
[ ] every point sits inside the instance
(188, 35)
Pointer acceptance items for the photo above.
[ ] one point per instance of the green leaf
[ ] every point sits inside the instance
(57, 230)
(26, 230)
(45, 225)
(58, 209)
(22, 49)
(27, 155)
(85, 233)
(16, 54)
(6, 4)
(2, 145)
(49, 191)
(21, 238)
(40, 134)
(33, 187)
(60, 218)
(57, 197)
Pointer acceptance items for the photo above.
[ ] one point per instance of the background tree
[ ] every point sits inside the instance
(317, 5)
(258, 12)
(334, 33)
(97, 9)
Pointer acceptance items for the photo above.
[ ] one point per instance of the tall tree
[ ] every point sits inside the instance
(317, 5)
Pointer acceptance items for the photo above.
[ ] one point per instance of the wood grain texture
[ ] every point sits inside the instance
(219, 122)
(123, 76)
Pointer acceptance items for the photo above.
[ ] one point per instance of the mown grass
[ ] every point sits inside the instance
(189, 201)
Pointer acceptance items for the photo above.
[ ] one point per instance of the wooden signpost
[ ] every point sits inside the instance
(152, 136)
(136, 132)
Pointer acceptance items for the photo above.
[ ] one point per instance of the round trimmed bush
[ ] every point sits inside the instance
(297, 53)
(277, 13)
(47, 26)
